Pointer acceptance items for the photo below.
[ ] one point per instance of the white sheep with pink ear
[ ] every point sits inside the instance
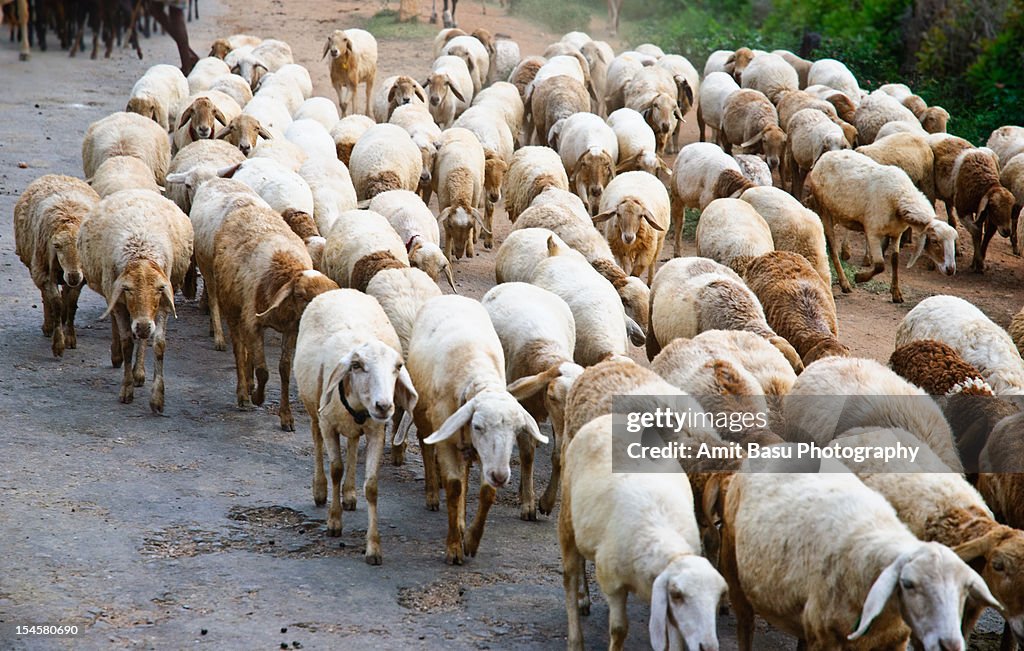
(351, 378)
(641, 532)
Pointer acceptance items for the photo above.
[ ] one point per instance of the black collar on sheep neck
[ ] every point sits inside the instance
(360, 416)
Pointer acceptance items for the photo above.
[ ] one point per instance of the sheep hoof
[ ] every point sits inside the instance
(58, 348)
(70, 339)
(398, 455)
(528, 514)
(584, 607)
(334, 531)
(245, 404)
(320, 496)
(897, 298)
(23, 56)
(287, 424)
(348, 503)
(433, 503)
(47, 329)
(546, 506)
(139, 379)
(373, 558)
(454, 557)
(127, 394)
(157, 406)
(220, 345)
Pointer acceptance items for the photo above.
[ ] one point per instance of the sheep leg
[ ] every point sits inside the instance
(374, 451)
(156, 396)
(570, 581)
(369, 91)
(618, 620)
(985, 233)
(488, 495)
(527, 498)
(258, 365)
(284, 369)
(69, 298)
(729, 568)
(116, 354)
(243, 388)
(348, 488)
(124, 336)
(52, 317)
(216, 328)
(876, 258)
(139, 368)
(452, 472)
(830, 240)
(547, 500)
(894, 288)
(700, 124)
(678, 219)
(430, 479)
(319, 478)
(337, 472)
(584, 589)
(489, 223)
(191, 282)
(1014, 241)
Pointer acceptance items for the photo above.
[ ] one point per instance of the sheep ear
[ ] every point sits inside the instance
(177, 177)
(710, 499)
(402, 432)
(978, 547)
(405, 393)
(279, 297)
(449, 278)
(334, 380)
(650, 220)
(629, 163)
(603, 216)
(115, 296)
(185, 117)
(980, 592)
(453, 424)
(168, 293)
(442, 218)
(263, 133)
(222, 134)
(920, 240)
(753, 141)
(228, 172)
(527, 386)
(879, 594)
(982, 205)
(635, 332)
(664, 167)
(678, 115)
(658, 624)
(391, 93)
(531, 426)
(686, 90)
(480, 220)
(327, 48)
(421, 94)
(455, 91)
(220, 116)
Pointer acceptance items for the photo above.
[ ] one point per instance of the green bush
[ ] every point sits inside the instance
(559, 16)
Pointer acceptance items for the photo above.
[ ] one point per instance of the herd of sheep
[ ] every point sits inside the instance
(315, 223)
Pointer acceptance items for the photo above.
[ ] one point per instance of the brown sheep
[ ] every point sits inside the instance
(751, 121)
(798, 306)
(353, 62)
(243, 132)
(738, 62)
(1016, 330)
(982, 203)
(554, 99)
(47, 218)
(201, 116)
(265, 278)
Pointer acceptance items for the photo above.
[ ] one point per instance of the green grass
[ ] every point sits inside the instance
(690, 219)
(384, 25)
(873, 286)
(559, 16)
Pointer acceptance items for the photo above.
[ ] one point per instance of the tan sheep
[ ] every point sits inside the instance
(635, 212)
(793, 227)
(459, 183)
(911, 153)
(531, 171)
(123, 173)
(126, 134)
(732, 232)
(353, 62)
(552, 100)
(751, 122)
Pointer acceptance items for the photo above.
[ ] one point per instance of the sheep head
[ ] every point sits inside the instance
(937, 241)
(243, 133)
(934, 119)
(1001, 553)
(684, 605)
(429, 258)
(143, 290)
(662, 113)
(371, 377)
(339, 47)
(404, 91)
(593, 170)
(460, 224)
(438, 85)
(291, 298)
(220, 48)
(738, 62)
(63, 248)
(929, 583)
(494, 176)
(629, 216)
(997, 208)
(495, 420)
(147, 108)
(202, 117)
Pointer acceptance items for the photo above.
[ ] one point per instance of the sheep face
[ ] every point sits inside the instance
(593, 171)
(428, 257)
(1002, 551)
(147, 108)
(494, 176)
(997, 208)
(438, 86)
(243, 133)
(372, 376)
(738, 62)
(460, 225)
(684, 603)
(202, 117)
(143, 289)
(774, 143)
(938, 243)
(628, 216)
(64, 254)
(220, 48)
(662, 114)
(930, 583)
(636, 300)
(339, 47)
(404, 91)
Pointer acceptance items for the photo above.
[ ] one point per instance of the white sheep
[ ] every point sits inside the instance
(498, 143)
(637, 143)
(754, 169)
(714, 92)
(809, 135)
(506, 58)
(449, 89)
(311, 136)
(732, 232)
(793, 227)
(979, 341)
(320, 109)
(459, 183)
(835, 394)
(538, 337)
(473, 52)
(589, 150)
(124, 173)
(159, 94)
(655, 92)
(772, 75)
(801, 65)
(1006, 142)
(279, 186)
(621, 70)
(417, 226)
(269, 56)
(331, 186)
(283, 152)
(200, 115)
(402, 292)
(457, 365)
(503, 98)
(359, 244)
(702, 172)
(351, 378)
(850, 188)
(416, 119)
(834, 74)
(234, 87)
(353, 62)
(204, 72)
(641, 533)
(716, 62)
(882, 588)
(47, 219)
(876, 110)
(635, 211)
(524, 249)
(346, 133)
(127, 134)
(273, 116)
(135, 247)
(385, 158)
(194, 165)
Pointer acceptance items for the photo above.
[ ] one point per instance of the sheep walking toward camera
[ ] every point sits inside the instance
(353, 62)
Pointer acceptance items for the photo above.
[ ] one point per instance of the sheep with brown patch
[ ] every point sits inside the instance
(395, 91)
(793, 227)
(385, 158)
(981, 201)
(531, 171)
(731, 231)
(47, 219)
(797, 305)
(353, 62)
(265, 279)
(159, 94)
(417, 226)
(346, 133)
(360, 244)
(750, 121)
(459, 182)
(635, 211)
(911, 153)
(244, 132)
(201, 116)
(135, 247)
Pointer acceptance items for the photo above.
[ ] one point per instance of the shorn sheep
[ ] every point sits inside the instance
(418, 228)
(641, 533)
(125, 173)
(884, 588)
(850, 189)
(265, 279)
(158, 94)
(351, 377)
(635, 216)
(463, 413)
(353, 62)
(972, 334)
(135, 247)
(47, 219)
